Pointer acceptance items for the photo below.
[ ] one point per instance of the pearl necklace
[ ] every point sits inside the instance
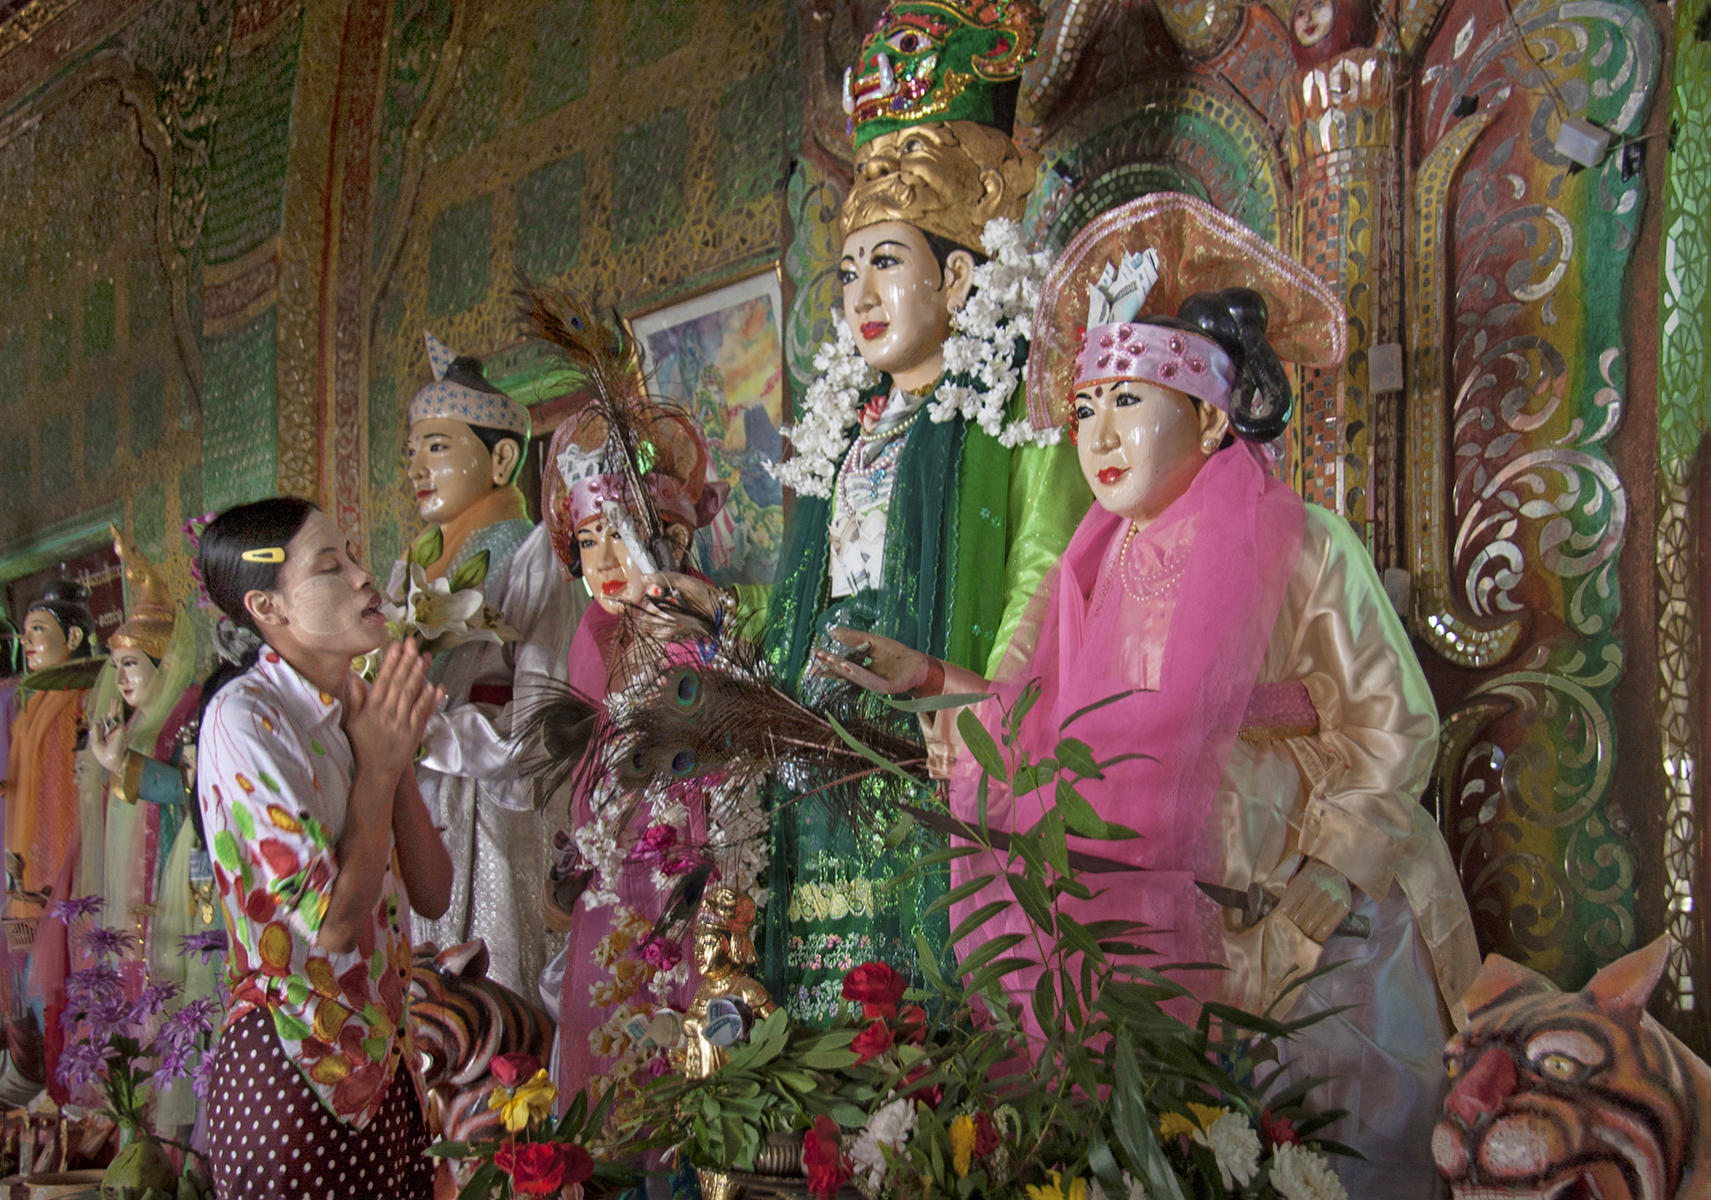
(1153, 584)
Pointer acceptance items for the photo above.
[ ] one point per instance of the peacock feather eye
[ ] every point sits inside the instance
(683, 762)
(688, 688)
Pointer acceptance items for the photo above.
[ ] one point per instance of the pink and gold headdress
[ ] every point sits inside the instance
(1141, 260)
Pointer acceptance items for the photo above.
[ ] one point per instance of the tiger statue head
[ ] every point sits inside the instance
(1573, 1095)
(462, 1021)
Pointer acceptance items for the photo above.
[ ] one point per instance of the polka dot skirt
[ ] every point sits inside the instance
(269, 1137)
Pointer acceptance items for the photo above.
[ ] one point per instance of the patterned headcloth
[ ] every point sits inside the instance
(460, 392)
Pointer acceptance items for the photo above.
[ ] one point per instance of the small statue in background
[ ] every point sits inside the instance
(1557, 1093)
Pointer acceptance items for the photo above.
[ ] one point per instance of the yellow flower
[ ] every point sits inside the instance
(1173, 1123)
(1206, 1114)
(532, 1100)
(1077, 1189)
(962, 1144)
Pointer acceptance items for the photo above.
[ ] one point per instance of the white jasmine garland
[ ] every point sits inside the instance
(1299, 1174)
(988, 339)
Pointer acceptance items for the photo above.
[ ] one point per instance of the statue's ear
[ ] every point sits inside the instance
(1623, 988)
(73, 638)
(507, 452)
(1501, 980)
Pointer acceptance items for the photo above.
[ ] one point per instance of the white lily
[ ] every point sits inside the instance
(437, 610)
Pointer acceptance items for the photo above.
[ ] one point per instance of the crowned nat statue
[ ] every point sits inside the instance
(1228, 654)
(465, 448)
(927, 507)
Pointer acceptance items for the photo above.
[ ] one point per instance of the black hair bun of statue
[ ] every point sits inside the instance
(65, 591)
(467, 370)
(1236, 319)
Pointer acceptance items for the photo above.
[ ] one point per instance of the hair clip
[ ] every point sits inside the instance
(268, 554)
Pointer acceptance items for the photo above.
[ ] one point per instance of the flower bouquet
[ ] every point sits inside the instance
(1051, 1064)
(540, 1156)
(125, 1051)
(444, 613)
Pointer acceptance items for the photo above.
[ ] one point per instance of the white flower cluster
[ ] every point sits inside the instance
(988, 338)
(1235, 1145)
(831, 408)
(990, 335)
(887, 1129)
(1299, 1174)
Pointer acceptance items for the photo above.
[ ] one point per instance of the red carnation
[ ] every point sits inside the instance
(823, 1158)
(1278, 1130)
(873, 1041)
(877, 988)
(511, 1069)
(985, 1134)
(535, 1168)
(578, 1164)
(912, 1024)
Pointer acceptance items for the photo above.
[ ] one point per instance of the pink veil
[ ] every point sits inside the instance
(1240, 529)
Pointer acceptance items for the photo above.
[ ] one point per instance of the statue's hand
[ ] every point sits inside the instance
(107, 740)
(1316, 900)
(879, 664)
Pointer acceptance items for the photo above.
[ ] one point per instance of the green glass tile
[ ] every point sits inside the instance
(655, 28)
(148, 410)
(147, 298)
(56, 346)
(13, 366)
(15, 258)
(558, 59)
(98, 318)
(56, 461)
(751, 154)
(459, 247)
(240, 415)
(471, 114)
(15, 470)
(252, 144)
(647, 178)
(549, 218)
(100, 432)
(148, 519)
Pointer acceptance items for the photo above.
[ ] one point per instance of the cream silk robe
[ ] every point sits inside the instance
(1348, 795)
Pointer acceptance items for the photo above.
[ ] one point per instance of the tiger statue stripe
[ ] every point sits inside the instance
(1573, 1095)
(461, 1021)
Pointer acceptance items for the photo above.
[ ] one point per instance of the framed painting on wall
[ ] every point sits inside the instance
(719, 355)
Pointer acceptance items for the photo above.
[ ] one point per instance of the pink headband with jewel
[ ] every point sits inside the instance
(1173, 358)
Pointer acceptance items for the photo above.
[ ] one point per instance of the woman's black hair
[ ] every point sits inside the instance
(1235, 318)
(228, 578)
(467, 371)
(67, 602)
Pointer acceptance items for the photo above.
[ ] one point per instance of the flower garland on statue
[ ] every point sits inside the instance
(983, 358)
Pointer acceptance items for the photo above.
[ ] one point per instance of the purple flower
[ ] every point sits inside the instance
(76, 908)
(202, 1076)
(192, 1019)
(81, 1064)
(661, 954)
(206, 944)
(105, 942)
(152, 1001)
(99, 981)
(174, 1064)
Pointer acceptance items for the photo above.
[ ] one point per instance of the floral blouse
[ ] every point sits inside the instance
(274, 775)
